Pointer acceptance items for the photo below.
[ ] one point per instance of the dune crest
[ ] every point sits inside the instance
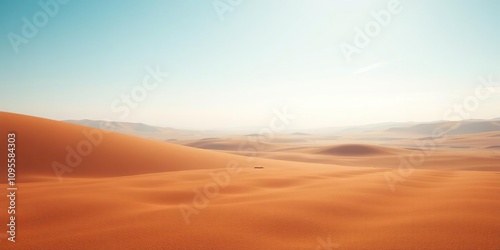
(357, 150)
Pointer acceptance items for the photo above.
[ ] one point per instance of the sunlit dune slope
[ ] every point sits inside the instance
(45, 147)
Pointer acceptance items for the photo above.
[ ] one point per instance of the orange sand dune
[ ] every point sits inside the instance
(42, 142)
(131, 193)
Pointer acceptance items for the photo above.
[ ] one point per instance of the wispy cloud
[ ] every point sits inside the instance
(371, 67)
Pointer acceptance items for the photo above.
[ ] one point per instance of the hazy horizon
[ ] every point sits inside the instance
(250, 128)
(230, 70)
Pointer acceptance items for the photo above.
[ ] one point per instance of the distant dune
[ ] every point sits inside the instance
(300, 134)
(130, 192)
(357, 150)
(215, 143)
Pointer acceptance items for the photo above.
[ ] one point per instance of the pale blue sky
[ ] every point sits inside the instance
(263, 55)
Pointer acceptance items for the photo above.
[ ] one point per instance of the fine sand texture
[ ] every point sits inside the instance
(84, 188)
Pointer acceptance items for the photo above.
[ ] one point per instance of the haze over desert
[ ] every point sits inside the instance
(250, 125)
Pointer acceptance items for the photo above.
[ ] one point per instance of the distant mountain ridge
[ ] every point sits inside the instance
(417, 128)
(137, 129)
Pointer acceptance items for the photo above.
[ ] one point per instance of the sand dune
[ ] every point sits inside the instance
(357, 150)
(215, 143)
(126, 195)
(279, 209)
(90, 152)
